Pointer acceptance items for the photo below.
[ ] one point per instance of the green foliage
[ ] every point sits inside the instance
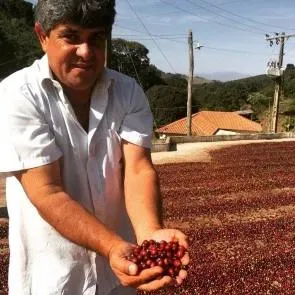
(131, 58)
(167, 103)
(289, 124)
(18, 9)
(289, 83)
(18, 43)
(220, 96)
(175, 81)
(258, 101)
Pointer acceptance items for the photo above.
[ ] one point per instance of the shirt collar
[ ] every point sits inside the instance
(45, 71)
(46, 74)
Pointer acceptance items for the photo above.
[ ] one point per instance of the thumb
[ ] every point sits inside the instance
(132, 269)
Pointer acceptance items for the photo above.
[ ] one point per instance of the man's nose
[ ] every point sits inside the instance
(85, 51)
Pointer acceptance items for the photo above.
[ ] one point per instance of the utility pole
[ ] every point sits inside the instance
(279, 39)
(190, 83)
(108, 47)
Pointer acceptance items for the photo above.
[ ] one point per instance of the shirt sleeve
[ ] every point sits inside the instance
(26, 139)
(137, 125)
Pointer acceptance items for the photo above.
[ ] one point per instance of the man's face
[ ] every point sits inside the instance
(76, 55)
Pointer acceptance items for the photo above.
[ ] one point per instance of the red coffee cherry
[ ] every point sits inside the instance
(164, 254)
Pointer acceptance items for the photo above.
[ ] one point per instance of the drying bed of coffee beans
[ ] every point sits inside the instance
(239, 213)
(4, 255)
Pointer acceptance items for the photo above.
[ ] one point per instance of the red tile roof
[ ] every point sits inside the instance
(209, 122)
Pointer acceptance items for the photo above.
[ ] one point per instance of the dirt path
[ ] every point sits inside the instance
(199, 151)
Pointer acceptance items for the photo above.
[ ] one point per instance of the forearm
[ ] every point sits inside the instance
(75, 223)
(143, 202)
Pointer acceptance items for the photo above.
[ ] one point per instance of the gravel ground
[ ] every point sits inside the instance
(199, 151)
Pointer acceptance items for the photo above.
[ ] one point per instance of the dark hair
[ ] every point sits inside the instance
(84, 13)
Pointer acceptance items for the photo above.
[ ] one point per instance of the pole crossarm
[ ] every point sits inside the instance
(269, 38)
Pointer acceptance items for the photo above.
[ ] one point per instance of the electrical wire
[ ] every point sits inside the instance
(153, 38)
(207, 19)
(234, 50)
(134, 67)
(243, 17)
(142, 23)
(228, 18)
(126, 28)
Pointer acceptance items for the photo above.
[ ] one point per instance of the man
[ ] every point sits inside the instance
(76, 149)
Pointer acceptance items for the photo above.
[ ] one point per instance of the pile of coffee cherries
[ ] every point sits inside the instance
(165, 254)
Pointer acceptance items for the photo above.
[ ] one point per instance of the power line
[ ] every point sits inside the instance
(126, 28)
(143, 33)
(207, 19)
(134, 67)
(234, 1)
(205, 46)
(228, 18)
(137, 75)
(234, 50)
(230, 2)
(142, 23)
(237, 15)
(153, 37)
(158, 36)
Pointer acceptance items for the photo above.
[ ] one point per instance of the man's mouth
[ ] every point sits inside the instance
(84, 66)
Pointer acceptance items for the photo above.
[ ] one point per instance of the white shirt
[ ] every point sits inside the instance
(39, 126)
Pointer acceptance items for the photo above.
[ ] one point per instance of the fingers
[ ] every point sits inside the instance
(156, 284)
(185, 259)
(127, 263)
(145, 277)
(162, 282)
(181, 276)
(182, 238)
(132, 269)
(150, 279)
(125, 266)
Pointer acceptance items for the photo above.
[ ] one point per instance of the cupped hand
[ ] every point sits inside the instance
(168, 235)
(128, 272)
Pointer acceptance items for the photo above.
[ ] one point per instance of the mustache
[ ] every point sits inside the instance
(85, 63)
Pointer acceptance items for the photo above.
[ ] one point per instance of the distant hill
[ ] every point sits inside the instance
(200, 80)
(205, 78)
(197, 79)
(225, 76)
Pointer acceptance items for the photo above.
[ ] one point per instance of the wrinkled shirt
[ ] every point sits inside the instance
(37, 127)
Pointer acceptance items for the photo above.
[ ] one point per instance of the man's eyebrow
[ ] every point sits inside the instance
(68, 30)
(98, 33)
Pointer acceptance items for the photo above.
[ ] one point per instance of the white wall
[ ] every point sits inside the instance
(225, 132)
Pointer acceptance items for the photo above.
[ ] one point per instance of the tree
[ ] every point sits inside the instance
(18, 9)
(131, 58)
(290, 67)
(18, 43)
(167, 103)
(258, 101)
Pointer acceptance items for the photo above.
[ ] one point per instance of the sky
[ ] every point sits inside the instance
(232, 32)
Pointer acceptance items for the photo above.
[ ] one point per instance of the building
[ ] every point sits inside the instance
(207, 123)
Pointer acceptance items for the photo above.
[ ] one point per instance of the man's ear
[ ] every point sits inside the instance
(43, 38)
